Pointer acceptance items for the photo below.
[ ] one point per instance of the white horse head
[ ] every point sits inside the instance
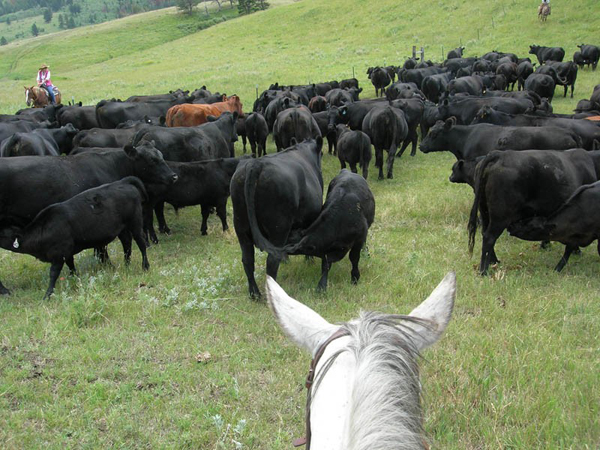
(366, 393)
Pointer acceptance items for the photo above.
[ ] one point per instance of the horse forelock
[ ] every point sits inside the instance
(385, 405)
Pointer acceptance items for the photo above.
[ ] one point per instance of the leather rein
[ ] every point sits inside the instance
(341, 332)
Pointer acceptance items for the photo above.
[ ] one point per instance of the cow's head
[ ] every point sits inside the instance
(435, 141)
(148, 163)
(483, 115)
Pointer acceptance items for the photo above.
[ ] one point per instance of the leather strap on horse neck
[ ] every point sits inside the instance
(341, 332)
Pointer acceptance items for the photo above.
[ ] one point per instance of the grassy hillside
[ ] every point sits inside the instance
(310, 40)
(117, 357)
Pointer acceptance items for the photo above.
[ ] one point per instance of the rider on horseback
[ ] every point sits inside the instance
(544, 2)
(43, 81)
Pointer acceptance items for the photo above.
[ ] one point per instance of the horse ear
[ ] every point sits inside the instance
(434, 313)
(300, 323)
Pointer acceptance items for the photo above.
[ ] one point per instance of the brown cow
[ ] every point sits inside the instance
(190, 115)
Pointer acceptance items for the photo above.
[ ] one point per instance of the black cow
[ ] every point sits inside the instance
(510, 72)
(590, 55)
(317, 104)
(40, 142)
(543, 85)
(380, 78)
(464, 171)
(107, 138)
(271, 197)
(257, 131)
(483, 66)
(455, 64)
(294, 124)
(417, 75)
(413, 109)
(91, 219)
(515, 185)
(470, 141)
(434, 86)
(210, 140)
(25, 182)
(431, 115)
(472, 85)
(204, 183)
(240, 130)
(341, 227)
(349, 83)
(544, 54)
(465, 109)
(81, 117)
(322, 88)
(210, 99)
(324, 119)
(109, 114)
(352, 114)
(48, 112)
(276, 106)
(353, 147)
(524, 69)
(456, 53)
(339, 97)
(588, 131)
(578, 59)
(567, 72)
(386, 127)
(402, 90)
(575, 223)
(7, 129)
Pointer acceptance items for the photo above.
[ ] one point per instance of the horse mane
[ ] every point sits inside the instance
(385, 406)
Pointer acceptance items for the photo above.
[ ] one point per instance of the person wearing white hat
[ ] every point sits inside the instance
(43, 81)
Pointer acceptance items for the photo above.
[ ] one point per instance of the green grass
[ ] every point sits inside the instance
(112, 359)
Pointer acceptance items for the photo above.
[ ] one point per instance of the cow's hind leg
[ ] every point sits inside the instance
(222, 214)
(488, 254)
(379, 161)
(71, 264)
(138, 236)
(565, 257)
(248, 263)
(390, 161)
(354, 259)
(55, 269)
(125, 238)
(325, 266)
(205, 214)
(102, 254)
(159, 209)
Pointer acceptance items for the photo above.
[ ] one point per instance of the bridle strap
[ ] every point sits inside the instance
(310, 378)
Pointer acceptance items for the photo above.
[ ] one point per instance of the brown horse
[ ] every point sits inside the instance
(39, 96)
(543, 11)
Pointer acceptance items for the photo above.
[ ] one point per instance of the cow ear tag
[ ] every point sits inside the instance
(16, 243)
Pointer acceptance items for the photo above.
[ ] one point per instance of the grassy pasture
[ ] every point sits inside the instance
(117, 358)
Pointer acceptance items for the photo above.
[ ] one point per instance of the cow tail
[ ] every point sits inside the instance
(98, 106)
(362, 153)
(252, 173)
(480, 182)
(8, 144)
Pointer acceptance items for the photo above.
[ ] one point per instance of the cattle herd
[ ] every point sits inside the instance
(532, 171)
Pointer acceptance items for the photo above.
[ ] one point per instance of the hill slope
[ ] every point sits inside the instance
(312, 40)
